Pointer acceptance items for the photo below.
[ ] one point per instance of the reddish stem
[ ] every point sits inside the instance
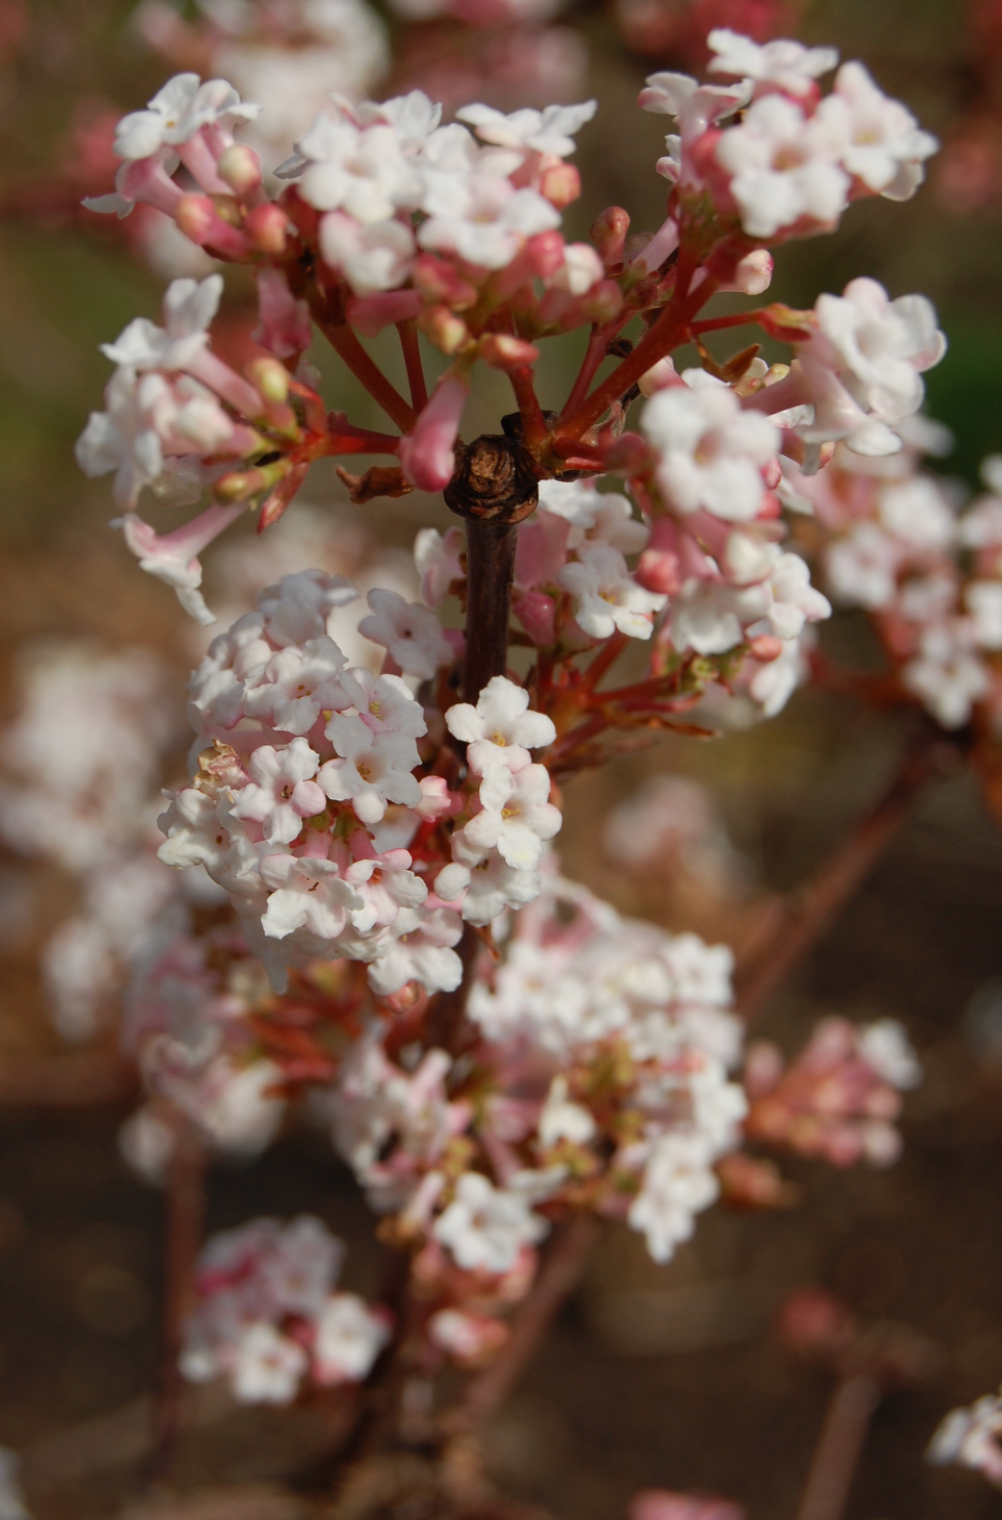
(604, 661)
(530, 411)
(668, 332)
(347, 346)
(411, 346)
(598, 346)
(736, 319)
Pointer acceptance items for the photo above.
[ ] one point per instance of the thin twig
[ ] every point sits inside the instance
(838, 1450)
(185, 1207)
(791, 929)
(560, 1273)
(411, 347)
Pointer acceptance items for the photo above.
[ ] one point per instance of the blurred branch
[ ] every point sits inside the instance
(792, 926)
(69, 1081)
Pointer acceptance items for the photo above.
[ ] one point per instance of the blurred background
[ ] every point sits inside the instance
(656, 1377)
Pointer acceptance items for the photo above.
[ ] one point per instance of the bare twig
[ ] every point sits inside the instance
(838, 1450)
(185, 1204)
(560, 1273)
(793, 926)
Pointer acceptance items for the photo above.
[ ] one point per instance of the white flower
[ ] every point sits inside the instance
(349, 1337)
(372, 256)
(362, 171)
(385, 883)
(123, 438)
(877, 347)
(177, 112)
(678, 1183)
(862, 566)
(306, 893)
(410, 633)
(704, 617)
(773, 684)
(237, 1107)
(472, 207)
(487, 885)
(970, 1436)
(421, 950)
(549, 131)
(984, 603)
(298, 607)
(608, 597)
(563, 1120)
(882, 144)
(517, 815)
(947, 675)
(696, 106)
(793, 601)
(297, 684)
(886, 1048)
(918, 513)
(371, 771)
(783, 167)
(594, 516)
(438, 559)
(267, 1366)
(485, 1227)
(500, 731)
(790, 66)
(189, 307)
(385, 704)
(711, 452)
(297, 1271)
(281, 792)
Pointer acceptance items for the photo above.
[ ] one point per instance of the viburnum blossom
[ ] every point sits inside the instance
(371, 926)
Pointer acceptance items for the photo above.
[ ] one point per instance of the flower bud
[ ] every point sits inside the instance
(544, 254)
(502, 351)
(561, 185)
(439, 282)
(443, 328)
(267, 226)
(240, 168)
(270, 377)
(199, 219)
(608, 233)
(765, 647)
(603, 302)
(658, 570)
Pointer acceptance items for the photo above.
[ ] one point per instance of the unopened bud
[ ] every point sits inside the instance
(240, 168)
(199, 218)
(659, 376)
(502, 351)
(657, 570)
(765, 648)
(439, 282)
(608, 233)
(561, 185)
(603, 302)
(443, 328)
(544, 254)
(239, 484)
(270, 377)
(629, 455)
(268, 228)
(754, 273)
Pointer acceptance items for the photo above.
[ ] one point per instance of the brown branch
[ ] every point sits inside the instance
(838, 1450)
(185, 1204)
(560, 1273)
(792, 926)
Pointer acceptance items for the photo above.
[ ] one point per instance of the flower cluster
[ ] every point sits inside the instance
(601, 1081)
(307, 798)
(794, 160)
(266, 1316)
(839, 1097)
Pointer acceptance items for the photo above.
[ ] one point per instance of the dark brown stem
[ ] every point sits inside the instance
(792, 927)
(837, 1453)
(560, 1273)
(185, 1206)
(490, 570)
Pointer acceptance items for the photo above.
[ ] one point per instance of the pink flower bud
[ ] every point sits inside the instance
(284, 327)
(502, 351)
(608, 233)
(544, 254)
(603, 302)
(269, 377)
(267, 227)
(440, 282)
(537, 613)
(199, 220)
(427, 456)
(240, 168)
(561, 184)
(765, 648)
(658, 570)
(443, 328)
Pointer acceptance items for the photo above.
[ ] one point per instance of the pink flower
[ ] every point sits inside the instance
(281, 793)
(427, 456)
